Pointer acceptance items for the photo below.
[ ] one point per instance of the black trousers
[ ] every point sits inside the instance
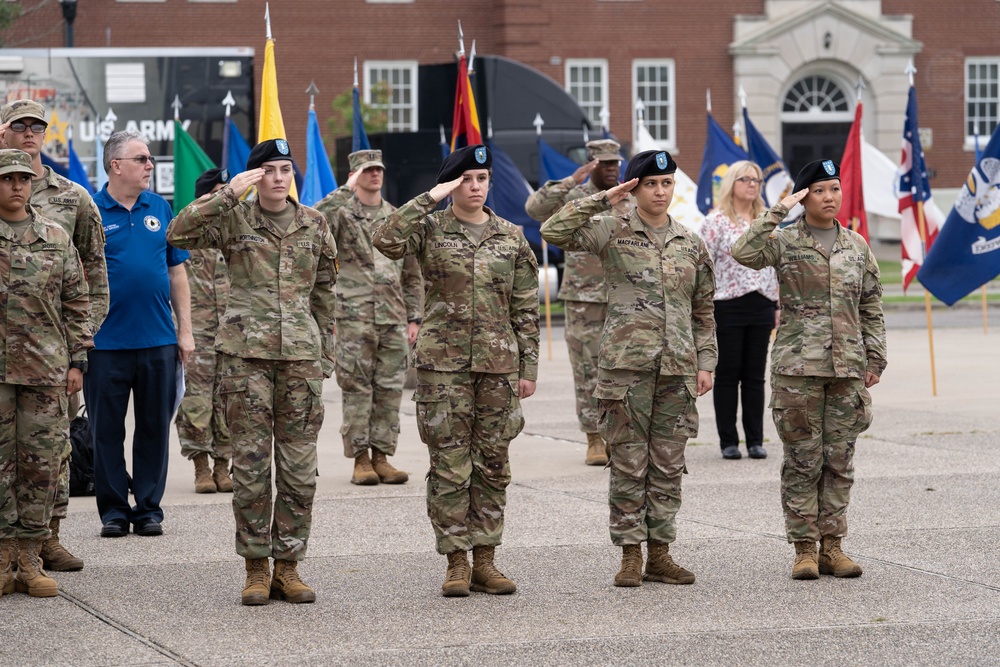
(743, 336)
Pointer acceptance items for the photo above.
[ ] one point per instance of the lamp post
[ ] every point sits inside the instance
(69, 13)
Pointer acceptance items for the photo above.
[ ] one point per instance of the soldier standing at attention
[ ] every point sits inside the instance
(201, 422)
(45, 326)
(476, 358)
(71, 206)
(829, 349)
(276, 344)
(378, 315)
(657, 354)
(583, 290)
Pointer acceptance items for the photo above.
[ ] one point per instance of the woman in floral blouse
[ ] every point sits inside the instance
(745, 313)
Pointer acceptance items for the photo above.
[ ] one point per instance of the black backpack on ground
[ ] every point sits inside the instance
(81, 462)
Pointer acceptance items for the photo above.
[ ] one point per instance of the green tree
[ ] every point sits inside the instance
(375, 115)
(9, 12)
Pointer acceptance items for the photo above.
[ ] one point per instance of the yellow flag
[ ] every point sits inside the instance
(271, 126)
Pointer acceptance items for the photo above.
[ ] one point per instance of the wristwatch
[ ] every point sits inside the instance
(82, 365)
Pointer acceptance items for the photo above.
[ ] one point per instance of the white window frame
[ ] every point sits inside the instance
(970, 140)
(670, 143)
(409, 65)
(591, 108)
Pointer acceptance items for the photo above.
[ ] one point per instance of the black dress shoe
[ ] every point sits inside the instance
(115, 528)
(731, 452)
(757, 452)
(148, 528)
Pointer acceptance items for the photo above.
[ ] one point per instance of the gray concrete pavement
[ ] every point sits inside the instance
(924, 524)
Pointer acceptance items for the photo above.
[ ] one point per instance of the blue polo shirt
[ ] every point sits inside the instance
(138, 255)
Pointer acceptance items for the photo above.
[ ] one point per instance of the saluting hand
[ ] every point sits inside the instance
(442, 190)
(620, 191)
(352, 180)
(794, 198)
(245, 180)
(581, 174)
(3, 134)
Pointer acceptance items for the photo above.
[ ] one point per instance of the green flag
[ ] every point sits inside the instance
(190, 162)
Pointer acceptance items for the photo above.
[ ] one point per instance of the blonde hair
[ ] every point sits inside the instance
(738, 170)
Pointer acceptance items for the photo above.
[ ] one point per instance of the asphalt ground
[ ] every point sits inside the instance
(924, 524)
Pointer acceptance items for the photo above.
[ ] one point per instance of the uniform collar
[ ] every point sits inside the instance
(637, 225)
(35, 231)
(453, 225)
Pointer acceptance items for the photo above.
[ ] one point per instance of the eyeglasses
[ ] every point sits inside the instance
(749, 180)
(140, 159)
(36, 128)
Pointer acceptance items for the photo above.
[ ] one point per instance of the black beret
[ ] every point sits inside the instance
(656, 163)
(814, 172)
(268, 151)
(464, 159)
(209, 180)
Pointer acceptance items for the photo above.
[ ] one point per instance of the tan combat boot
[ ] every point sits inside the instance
(456, 580)
(661, 566)
(597, 451)
(363, 473)
(220, 475)
(387, 474)
(630, 574)
(258, 583)
(286, 585)
(834, 561)
(805, 566)
(30, 577)
(7, 550)
(486, 578)
(57, 557)
(203, 482)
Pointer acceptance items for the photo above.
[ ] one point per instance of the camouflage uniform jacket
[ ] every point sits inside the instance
(660, 308)
(281, 285)
(831, 307)
(480, 301)
(69, 205)
(583, 277)
(370, 286)
(208, 278)
(45, 323)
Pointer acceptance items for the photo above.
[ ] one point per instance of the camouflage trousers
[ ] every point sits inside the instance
(646, 418)
(34, 431)
(60, 505)
(201, 424)
(371, 366)
(818, 420)
(272, 406)
(467, 421)
(584, 326)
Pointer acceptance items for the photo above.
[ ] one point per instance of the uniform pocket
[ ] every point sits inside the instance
(233, 392)
(791, 416)
(433, 414)
(514, 422)
(314, 421)
(865, 414)
(613, 421)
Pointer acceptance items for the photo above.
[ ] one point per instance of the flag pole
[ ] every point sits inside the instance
(986, 326)
(538, 122)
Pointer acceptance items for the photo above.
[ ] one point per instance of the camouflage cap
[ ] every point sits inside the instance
(22, 109)
(361, 160)
(13, 161)
(603, 149)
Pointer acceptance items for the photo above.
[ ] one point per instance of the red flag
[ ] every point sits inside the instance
(465, 121)
(852, 208)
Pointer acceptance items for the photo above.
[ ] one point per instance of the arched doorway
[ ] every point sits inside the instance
(816, 116)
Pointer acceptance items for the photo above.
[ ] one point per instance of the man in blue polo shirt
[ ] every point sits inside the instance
(137, 349)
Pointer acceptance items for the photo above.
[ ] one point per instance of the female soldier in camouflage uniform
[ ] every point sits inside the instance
(829, 349)
(476, 358)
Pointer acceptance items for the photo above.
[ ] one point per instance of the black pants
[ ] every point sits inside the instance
(743, 331)
(148, 376)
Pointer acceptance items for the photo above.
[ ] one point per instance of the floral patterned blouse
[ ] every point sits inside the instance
(732, 279)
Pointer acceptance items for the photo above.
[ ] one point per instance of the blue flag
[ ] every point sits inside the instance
(777, 182)
(359, 140)
(77, 172)
(508, 194)
(319, 180)
(966, 253)
(55, 166)
(720, 152)
(237, 150)
(553, 165)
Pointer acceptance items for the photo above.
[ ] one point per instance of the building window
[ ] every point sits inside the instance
(587, 83)
(400, 76)
(816, 95)
(982, 76)
(653, 83)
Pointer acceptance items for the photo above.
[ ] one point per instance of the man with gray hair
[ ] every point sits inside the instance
(137, 350)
